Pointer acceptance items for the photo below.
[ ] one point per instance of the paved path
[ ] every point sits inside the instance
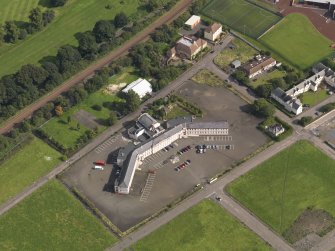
(112, 130)
(327, 243)
(175, 12)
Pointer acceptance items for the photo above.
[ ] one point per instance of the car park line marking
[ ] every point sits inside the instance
(148, 186)
(218, 138)
(105, 145)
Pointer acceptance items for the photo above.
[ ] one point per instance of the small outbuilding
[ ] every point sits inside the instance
(235, 64)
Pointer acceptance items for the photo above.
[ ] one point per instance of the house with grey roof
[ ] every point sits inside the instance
(290, 100)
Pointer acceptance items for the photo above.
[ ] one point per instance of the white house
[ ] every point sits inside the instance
(140, 86)
(290, 100)
(192, 22)
(213, 32)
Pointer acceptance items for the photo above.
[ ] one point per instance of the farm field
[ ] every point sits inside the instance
(239, 51)
(30, 163)
(303, 46)
(76, 16)
(206, 226)
(241, 16)
(264, 79)
(282, 188)
(313, 98)
(67, 133)
(16, 10)
(52, 219)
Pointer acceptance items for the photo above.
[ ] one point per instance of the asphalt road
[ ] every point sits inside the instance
(175, 12)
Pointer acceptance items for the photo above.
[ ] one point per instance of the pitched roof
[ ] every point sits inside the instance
(213, 28)
(256, 65)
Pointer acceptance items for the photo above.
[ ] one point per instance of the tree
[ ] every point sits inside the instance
(3, 142)
(24, 126)
(120, 20)
(48, 16)
(241, 77)
(68, 58)
(31, 75)
(57, 3)
(133, 101)
(264, 90)
(78, 126)
(87, 45)
(151, 5)
(263, 108)
(23, 34)
(112, 118)
(11, 32)
(104, 31)
(305, 120)
(68, 119)
(59, 110)
(36, 18)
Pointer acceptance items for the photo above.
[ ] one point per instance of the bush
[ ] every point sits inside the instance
(305, 120)
(57, 3)
(327, 108)
(96, 107)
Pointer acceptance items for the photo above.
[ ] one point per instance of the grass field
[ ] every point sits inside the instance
(241, 51)
(67, 134)
(176, 112)
(26, 166)
(264, 79)
(17, 10)
(205, 226)
(76, 16)
(52, 219)
(313, 98)
(242, 16)
(281, 188)
(297, 40)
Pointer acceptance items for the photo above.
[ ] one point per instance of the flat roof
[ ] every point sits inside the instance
(193, 19)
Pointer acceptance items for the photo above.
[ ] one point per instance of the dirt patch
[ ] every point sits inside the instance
(112, 88)
(311, 221)
(307, 243)
(86, 118)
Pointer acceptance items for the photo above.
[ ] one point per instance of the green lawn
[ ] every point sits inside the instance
(242, 52)
(264, 79)
(312, 98)
(242, 16)
(205, 226)
(76, 16)
(16, 10)
(68, 134)
(52, 219)
(297, 40)
(26, 166)
(281, 188)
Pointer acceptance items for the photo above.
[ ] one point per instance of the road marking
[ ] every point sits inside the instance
(148, 186)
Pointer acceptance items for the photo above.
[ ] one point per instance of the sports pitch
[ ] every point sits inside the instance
(241, 16)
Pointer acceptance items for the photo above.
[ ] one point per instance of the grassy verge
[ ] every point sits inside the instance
(205, 226)
(28, 164)
(206, 77)
(265, 79)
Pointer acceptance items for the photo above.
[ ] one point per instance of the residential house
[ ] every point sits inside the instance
(187, 47)
(275, 129)
(259, 65)
(213, 32)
